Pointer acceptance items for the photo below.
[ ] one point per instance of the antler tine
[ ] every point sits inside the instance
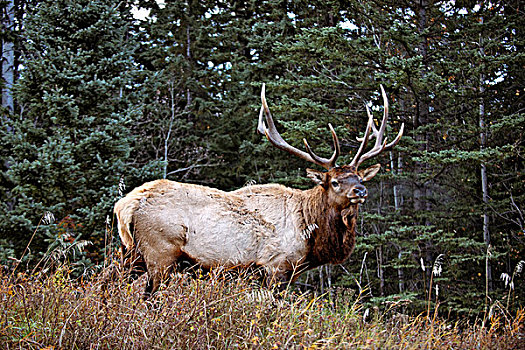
(374, 130)
(337, 150)
(396, 140)
(384, 147)
(364, 140)
(275, 138)
(377, 133)
(385, 115)
(379, 145)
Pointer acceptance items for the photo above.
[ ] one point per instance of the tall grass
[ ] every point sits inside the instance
(221, 311)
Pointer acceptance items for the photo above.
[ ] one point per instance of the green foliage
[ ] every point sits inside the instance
(71, 140)
(104, 98)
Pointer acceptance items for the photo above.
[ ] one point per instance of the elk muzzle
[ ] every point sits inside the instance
(358, 194)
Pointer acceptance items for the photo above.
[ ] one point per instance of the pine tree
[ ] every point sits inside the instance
(71, 137)
(428, 203)
(186, 108)
(176, 91)
(243, 37)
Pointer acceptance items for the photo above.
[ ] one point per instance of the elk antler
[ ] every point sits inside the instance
(379, 145)
(275, 138)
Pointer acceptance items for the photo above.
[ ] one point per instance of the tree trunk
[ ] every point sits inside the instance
(380, 272)
(422, 191)
(421, 118)
(397, 198)
(420, 196)
(170, 127)
(188, 50)
(8, 59)
(400, 274)
(188, 57)
(397, 169)
(484, 180)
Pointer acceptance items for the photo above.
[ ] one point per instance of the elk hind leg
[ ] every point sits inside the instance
(152, 285)
(159, 271)
(161, 248)
(160, 266)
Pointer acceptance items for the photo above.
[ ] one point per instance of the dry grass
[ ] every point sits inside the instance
(220, 312)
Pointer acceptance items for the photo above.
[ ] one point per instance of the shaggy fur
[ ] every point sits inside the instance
(281, 229)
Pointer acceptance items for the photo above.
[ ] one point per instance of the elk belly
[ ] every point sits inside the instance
(227, 239)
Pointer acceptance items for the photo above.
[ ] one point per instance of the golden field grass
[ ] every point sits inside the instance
(222, 311)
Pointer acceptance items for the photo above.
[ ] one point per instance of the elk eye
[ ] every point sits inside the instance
(335, 183)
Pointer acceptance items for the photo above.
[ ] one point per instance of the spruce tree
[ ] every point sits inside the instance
(175, 92)
(428, 201)
(71, 137)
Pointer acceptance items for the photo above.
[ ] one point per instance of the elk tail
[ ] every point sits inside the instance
(131, 259)
(124, 210)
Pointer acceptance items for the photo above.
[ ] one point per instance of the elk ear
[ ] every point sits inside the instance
(369, 173)
(316, 175)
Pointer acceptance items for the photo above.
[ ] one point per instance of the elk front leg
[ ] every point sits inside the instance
(278, 278)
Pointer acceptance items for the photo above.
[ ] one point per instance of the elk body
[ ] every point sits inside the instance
(282, 230)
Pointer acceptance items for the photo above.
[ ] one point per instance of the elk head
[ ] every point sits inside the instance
(343, 184)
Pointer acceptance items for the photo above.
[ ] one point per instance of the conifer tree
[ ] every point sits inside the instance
(186, 106)
(432, 205)
(71, 137)
(176, 91)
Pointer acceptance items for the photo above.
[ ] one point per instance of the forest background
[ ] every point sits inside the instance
(96, 101)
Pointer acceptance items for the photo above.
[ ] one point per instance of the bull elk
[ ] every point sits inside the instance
(280, 229)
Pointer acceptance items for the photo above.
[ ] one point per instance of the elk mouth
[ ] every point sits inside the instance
(356, 200)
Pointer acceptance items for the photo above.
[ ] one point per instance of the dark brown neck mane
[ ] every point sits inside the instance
(334, 239)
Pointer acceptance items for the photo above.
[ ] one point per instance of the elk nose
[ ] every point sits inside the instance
(360, 191)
